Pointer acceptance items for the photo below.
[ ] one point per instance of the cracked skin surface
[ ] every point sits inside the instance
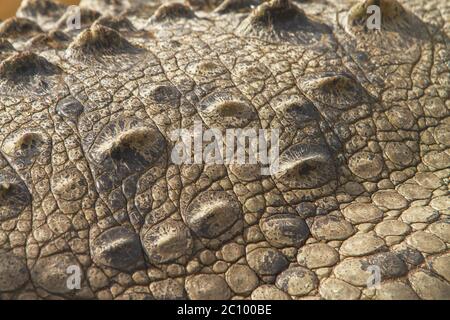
(85, 171)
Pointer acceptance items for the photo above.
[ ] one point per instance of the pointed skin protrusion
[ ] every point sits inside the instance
(391, 11)
(34, 9)
(341, 90)
(16, 27)
(99, 40)
(395, 20)
(109, 7)
(5, 46)
(236, 6)
(172, 11)
(306, 166)
(204, 5)
(281, 21)
(26, 64)
(14, 196)
(54, 39)
(116, 23)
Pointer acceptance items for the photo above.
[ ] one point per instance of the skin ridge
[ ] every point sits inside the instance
(93, 207)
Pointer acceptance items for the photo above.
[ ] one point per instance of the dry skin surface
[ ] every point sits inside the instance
(86, 180)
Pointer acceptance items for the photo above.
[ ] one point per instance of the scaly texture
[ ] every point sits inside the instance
(87, 181)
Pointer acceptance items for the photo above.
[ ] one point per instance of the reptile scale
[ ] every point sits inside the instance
(88, 185)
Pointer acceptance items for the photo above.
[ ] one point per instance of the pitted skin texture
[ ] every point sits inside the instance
(86, 177)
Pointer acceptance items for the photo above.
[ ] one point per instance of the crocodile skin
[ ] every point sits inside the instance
(88, 187)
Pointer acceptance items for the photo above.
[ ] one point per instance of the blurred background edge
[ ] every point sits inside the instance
(8, 8)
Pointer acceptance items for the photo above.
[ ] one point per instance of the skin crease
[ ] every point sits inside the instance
(93, 207)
